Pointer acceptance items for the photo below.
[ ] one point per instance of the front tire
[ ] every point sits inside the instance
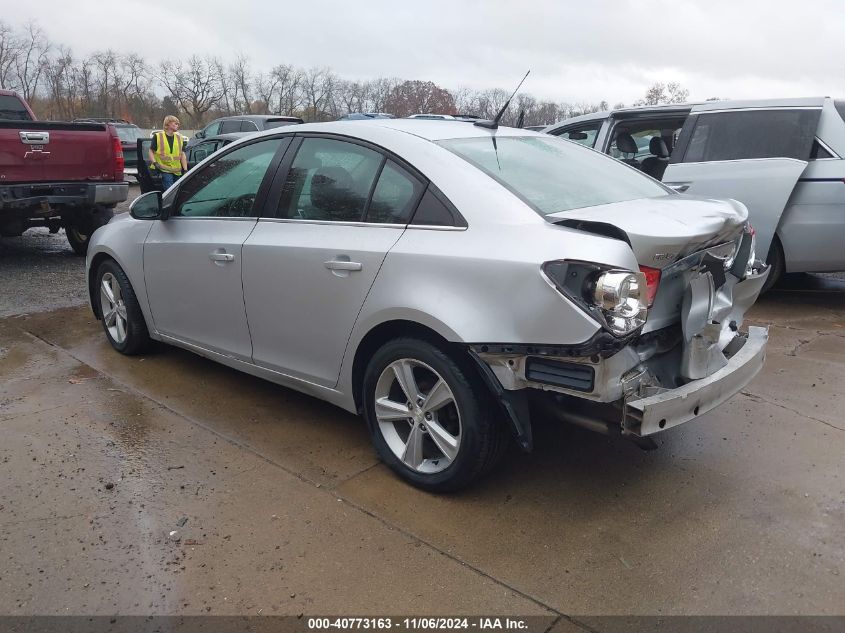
(120, 311)
(431, 419)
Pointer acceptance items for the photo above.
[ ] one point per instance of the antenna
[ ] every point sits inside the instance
(494, 124)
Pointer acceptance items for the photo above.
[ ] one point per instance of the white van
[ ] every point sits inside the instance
(781, 157)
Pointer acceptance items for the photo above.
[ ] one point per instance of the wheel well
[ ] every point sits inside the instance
(99, 258)
(378, 336)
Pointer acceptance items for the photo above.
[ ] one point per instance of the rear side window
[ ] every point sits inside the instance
(11, 108)
(748, 134)
(329, 180)
(434, 210)
(394, 197)
(248, 126)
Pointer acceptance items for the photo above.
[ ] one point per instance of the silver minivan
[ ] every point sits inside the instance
(781, 157)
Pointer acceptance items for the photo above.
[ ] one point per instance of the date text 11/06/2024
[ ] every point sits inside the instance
(417, 623)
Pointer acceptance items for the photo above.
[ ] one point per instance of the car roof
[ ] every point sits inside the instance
(699, 106)
(258, 117)
(429, 129)
(229, 136)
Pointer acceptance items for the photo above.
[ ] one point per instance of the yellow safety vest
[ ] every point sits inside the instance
(166, 159)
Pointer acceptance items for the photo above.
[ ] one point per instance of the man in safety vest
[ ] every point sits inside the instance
(166, 152)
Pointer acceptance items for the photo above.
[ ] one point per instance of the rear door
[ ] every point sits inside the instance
(754, 155)
(341, 207)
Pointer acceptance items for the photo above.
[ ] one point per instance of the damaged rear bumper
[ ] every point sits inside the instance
(649, 415)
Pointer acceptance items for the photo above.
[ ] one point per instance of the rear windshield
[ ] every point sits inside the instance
(129, 133)
(12, 108)
(554, 175)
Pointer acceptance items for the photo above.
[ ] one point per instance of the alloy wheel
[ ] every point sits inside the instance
(113, 308)
(418, 416)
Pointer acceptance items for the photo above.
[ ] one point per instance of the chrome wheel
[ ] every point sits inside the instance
(113, 308)
(418, 416)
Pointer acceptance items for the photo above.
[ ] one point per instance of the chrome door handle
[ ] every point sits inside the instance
(222, 257)
(680, 187)
(335, 264)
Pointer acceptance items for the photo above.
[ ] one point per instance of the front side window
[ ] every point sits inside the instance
(552, 175)
(329, 180)
(228, 186)
(750, 134)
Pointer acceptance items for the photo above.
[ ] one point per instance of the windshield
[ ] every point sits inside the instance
(129, 133)
(553, 175)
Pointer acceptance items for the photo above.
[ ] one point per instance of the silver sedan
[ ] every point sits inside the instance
(445, 280)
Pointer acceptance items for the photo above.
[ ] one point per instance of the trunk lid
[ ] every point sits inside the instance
(661, 231)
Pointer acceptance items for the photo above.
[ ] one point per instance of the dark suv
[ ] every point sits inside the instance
(243, 123)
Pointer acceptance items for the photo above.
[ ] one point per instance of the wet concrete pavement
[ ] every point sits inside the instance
(279, 504)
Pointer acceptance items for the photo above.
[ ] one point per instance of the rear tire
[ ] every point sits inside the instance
(120, 311)
(776, 260)
(450, 435)
(79, 231)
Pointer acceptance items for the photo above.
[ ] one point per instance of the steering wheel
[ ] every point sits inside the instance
(240, 207)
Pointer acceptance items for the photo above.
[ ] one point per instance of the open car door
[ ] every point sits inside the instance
(146, 180)
(751, 154)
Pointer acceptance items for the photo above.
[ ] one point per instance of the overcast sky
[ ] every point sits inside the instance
(582, 51)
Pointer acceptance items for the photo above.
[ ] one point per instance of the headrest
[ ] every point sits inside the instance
(657, 146)
(331, 192)
(625, 143)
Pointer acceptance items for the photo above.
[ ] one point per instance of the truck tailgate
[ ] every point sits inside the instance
(39, 151)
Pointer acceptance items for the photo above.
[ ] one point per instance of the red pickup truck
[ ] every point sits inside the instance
(56, 174)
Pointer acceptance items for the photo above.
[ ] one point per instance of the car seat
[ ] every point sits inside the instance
(655, 165)
(626, 144)
(333, 196)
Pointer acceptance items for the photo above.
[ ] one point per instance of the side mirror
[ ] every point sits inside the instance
(200, 134)
(577, 136)
(147, 206)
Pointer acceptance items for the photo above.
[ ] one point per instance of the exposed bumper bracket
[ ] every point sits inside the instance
(646, 416)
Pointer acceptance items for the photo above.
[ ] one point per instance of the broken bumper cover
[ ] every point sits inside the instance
(652, 414)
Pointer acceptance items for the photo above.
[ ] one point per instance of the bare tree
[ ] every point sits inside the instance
(195, 87)
(378, 92)
(10, 49)
(240, 78)
(677, 93)
(31, 60)
(318, 87)
(61, 79)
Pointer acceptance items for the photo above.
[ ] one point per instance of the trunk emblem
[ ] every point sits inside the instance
(661, 256)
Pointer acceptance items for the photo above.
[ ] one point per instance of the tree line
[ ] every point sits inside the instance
(59, 85)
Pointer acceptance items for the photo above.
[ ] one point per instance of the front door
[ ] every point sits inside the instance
(193, 260)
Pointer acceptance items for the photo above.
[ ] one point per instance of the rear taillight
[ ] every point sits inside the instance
(119, 161)
(652, 281)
